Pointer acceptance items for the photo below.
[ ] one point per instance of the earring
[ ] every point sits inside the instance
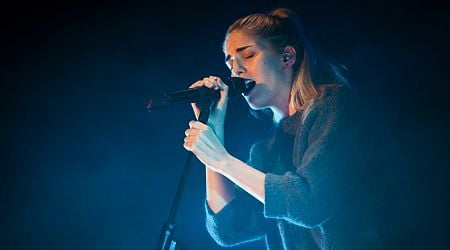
(286, 57)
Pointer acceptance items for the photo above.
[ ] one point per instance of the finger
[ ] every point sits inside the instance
(188, 146)
(210, 83)
(191, 132)
(193, 147)
(192, 144)
(218, 82)
(192, 136)
(197, 84)
(214, 81)
(191, 139)
(197, 125)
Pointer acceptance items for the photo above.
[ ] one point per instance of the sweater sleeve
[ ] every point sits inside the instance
(323, 160)
(242, 219)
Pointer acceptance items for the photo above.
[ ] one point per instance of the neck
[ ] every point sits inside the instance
(283, 109)
(278, 115)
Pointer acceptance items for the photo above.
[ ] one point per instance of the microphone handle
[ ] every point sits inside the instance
(183, 96)
(192, 95)
(236, 85)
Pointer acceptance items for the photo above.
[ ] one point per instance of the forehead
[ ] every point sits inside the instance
(238, 39)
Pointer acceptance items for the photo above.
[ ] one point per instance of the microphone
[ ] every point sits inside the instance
(236, 86)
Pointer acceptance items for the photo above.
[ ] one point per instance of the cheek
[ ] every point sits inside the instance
(260, 70)
(268, 71)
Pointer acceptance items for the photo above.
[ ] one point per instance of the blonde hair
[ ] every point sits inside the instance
(280, 28)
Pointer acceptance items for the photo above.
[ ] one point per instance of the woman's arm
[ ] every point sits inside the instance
(222, 168)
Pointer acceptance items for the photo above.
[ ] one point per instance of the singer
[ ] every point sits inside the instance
(305, 187)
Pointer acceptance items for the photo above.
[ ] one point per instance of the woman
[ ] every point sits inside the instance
(299, 189)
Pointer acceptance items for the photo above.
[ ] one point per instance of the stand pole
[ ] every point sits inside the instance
(166, 241)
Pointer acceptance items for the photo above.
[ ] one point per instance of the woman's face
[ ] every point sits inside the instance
(255, 59)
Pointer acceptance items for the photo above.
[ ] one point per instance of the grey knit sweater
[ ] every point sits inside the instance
(315, 194)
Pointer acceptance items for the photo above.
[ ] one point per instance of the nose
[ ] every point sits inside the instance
(237, 69)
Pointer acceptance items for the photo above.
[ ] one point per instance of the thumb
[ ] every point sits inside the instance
(222, 103)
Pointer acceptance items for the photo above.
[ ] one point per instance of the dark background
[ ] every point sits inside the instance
(85, 166)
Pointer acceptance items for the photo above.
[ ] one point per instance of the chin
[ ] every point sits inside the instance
(256, 98)
(254, 103)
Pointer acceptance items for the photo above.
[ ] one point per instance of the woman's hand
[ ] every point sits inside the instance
(218, 111)
(206, 146)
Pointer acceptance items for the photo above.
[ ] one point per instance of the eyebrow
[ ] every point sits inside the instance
(228, 57)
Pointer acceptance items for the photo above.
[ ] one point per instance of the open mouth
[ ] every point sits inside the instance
(248, 91)
(249, 85)
(240, 85)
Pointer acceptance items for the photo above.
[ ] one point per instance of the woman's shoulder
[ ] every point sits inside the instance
(338, 92)
(334, 100)
(336, 97)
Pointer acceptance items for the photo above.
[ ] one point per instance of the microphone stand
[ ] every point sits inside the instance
(166, 241)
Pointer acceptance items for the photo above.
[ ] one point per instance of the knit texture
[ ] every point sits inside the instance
(316, 194)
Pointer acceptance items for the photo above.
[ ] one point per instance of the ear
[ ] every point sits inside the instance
(288, 57)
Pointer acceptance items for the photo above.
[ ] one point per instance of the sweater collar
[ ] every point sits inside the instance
(289, 124)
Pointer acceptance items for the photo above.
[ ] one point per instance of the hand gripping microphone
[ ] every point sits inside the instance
(236, 86)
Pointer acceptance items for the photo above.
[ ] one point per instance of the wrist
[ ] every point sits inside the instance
(218, 131)
(223, 165)
(227, 165)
